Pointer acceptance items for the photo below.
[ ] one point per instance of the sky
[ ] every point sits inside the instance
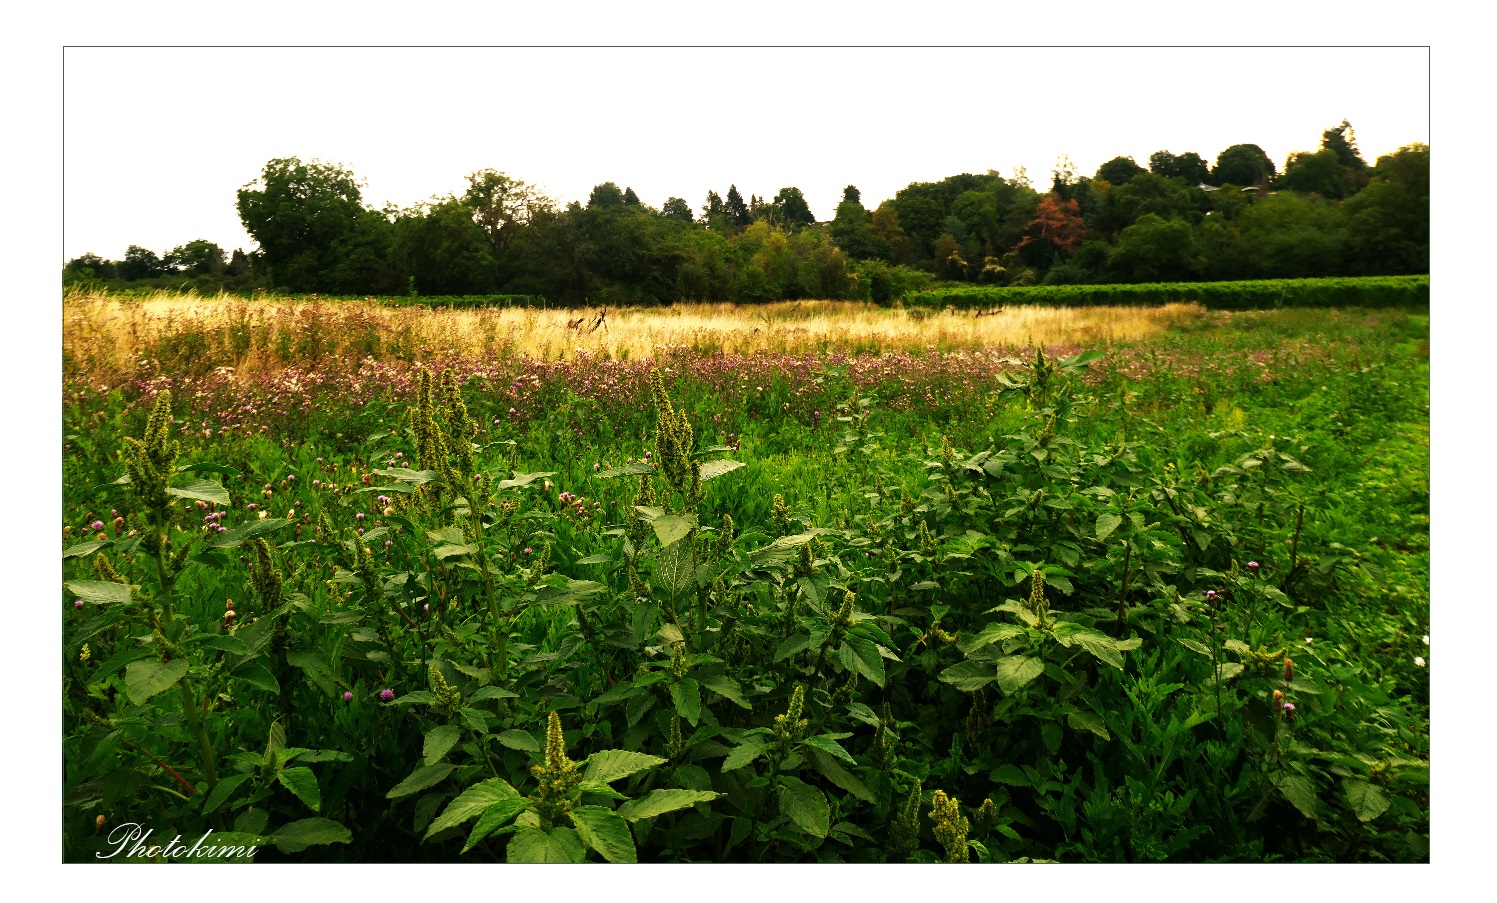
(157, 140)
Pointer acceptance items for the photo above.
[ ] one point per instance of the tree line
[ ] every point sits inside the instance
(1176, 219)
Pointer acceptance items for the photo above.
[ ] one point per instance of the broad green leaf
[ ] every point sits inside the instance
(674, 571)
(1101, 646)
(841, 777)
(743, 754)
(145, 679)
(604, 831)
(561, 845)
(225, 642)
(1106, 523)
(473, 802)
(1009, 773)
(439, 740)
(1080, 361)
(870, 663)
(727, 687)
(993, 633)
(495, 693)
(406, 475)
(1089, 721)
(1298, 790)
(688, 700)
(610, 765)
(493, 818)
(302, 782)
(1366, 799)
(202, 490)
(627, 470)
(244, 532)
(105, 591)
(524, 479)
(1015, 671)
(711, 470)
(521, 740)
(420, 779)
(671, 527)
(660, 802)
(596, 558)
(969, 676)
(208, 467)
(223, 790)
(309, 832)
(256, 672)
(315, 668)
(828, 745)
(806, 806)
(85, 548)
(1194, 646)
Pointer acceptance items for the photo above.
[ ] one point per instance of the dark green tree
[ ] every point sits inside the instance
(1387, 223)
(735, 209)
(196, 258)
(677, 209)
(1319, 173)
(1342, 141)
(630, 197)
(444, 250)
(606, 195)
(1118, 170)
(1188, 166)
(1243, 165)
(790, 209)
(502, 207)
(140, 263)
(300, 213)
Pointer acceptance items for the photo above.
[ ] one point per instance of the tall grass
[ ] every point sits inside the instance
(192, 334)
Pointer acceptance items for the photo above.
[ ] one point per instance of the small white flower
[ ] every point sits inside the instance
(1419, 660)
(1426, 639)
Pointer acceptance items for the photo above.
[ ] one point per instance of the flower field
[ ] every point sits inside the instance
(800, 582)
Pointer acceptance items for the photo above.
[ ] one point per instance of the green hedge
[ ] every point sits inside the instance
(1365, 291)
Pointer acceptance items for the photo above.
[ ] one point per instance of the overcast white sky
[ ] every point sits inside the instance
(158, 140)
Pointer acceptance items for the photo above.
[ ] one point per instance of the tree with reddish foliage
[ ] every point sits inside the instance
(1056, 223)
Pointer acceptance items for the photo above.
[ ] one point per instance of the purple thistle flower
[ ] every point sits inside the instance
(78, 603)
(1252, 565)
(527, 550)
(386, 695)
(348, 696)
(359, 516)
(98, 525)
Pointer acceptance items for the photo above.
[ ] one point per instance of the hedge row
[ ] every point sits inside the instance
(1362, 291)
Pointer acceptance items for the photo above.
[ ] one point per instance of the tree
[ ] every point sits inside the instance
(444, 250)
(91, 266)
(851, 194)
(676, 209)
(1388, 221)
(196, 258)
(1188, 166)
(1242, 165)
(735, 209)
(502, 206)
(1056, 228)
(713, 209)
(299, 213)
(140, 263)
(1156, 249)
(1118, 170)
(1342, 141)
(1319, 173)
(790, 209)
(630, 197)
(605, 195)
(852, 229)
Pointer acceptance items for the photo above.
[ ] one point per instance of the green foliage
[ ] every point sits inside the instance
(1399, 291)
(1080, 611)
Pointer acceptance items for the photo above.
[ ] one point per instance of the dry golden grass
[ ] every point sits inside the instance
(189, 332)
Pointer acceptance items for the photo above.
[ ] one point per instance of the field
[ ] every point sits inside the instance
(799, 582)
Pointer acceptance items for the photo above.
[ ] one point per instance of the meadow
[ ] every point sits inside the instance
(794, 582)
